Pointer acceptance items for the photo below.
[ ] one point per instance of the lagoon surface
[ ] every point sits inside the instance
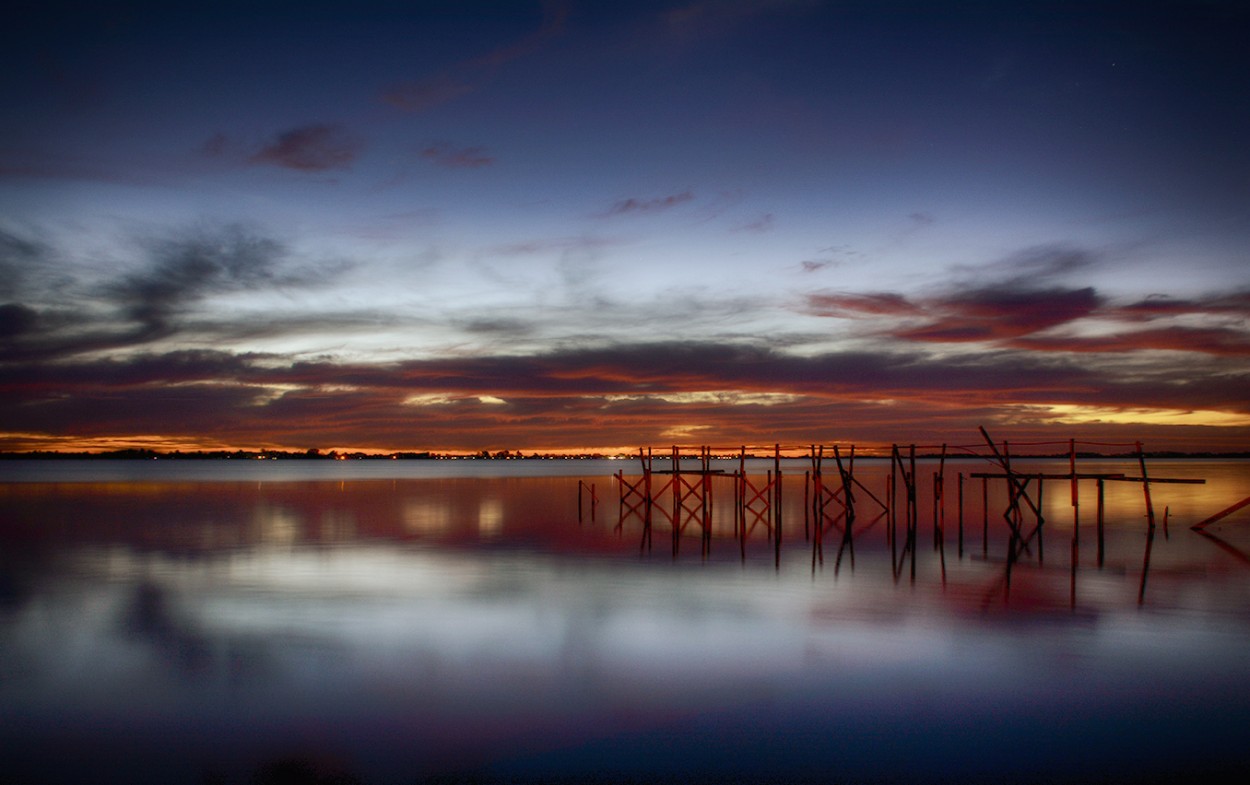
(410, 621)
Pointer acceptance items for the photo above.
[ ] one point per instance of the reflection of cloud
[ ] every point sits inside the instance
(423, 516)
(490, 517)
(276, 525)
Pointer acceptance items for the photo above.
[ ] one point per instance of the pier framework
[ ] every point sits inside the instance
(678, 488)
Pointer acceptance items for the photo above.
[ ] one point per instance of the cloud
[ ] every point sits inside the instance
(471, 75)
(999, 312)
(1235, 304)
(657, 204)
(848, 305)
(184, 269)
(310, 148)
(16, 319)
(18, 257)
(762, 224)
(1031, 266)
(624, 393)
(704, 19)
(445, 154)
(1215, 341)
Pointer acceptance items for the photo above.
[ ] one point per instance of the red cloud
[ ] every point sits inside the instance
(849, 306)
(1217, 341)
(312, 148)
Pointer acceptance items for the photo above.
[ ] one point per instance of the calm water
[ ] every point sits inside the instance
(394, 622)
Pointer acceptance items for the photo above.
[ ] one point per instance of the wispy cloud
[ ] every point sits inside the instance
(652, 205)
(1234, 304)
(470, 75)
(158, 297)
(764, 223)
(1221, 341)
(310, 148)
(448, 155)
(850, 305)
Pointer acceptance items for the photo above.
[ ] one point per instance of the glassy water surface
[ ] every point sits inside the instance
(397, 624)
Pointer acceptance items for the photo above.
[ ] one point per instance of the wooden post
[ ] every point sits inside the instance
(848, 500)
(1041, 520)
(1145, 486)
(985, 517)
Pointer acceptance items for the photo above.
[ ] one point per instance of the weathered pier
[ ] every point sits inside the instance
(678, 489)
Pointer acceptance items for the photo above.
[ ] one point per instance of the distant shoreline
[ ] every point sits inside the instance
(250, 455)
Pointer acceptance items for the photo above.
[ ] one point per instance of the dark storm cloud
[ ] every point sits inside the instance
(452, 157)
(653, 205)
(311, 148)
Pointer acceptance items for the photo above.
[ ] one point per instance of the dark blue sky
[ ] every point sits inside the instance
(397, 225)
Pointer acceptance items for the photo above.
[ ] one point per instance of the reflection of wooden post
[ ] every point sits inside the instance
(1200, 525)
(776, 503)
(961, 515)
(1076, 497)
(1101, 507)
(594, 500)
(1145, 566)
(1040, 519)
(848, 501)
(807, 529)
(895, 461)
(915, 514)
(676, 488)
(985, 517)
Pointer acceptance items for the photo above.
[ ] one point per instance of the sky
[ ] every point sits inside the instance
(597, 226)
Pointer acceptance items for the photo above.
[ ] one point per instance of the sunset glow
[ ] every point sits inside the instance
(551, 227)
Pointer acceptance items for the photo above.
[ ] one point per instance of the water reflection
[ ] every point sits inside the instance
(386, 631)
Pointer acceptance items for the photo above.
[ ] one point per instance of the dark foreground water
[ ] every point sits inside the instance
(382, 625)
